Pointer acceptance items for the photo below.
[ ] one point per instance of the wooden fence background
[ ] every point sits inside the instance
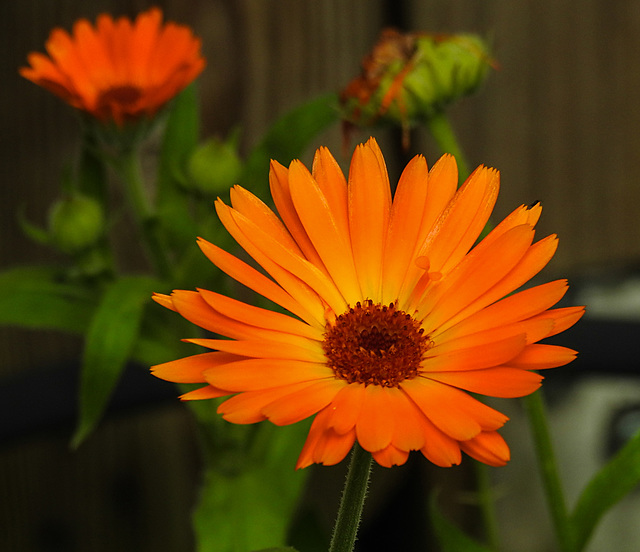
(560, 119)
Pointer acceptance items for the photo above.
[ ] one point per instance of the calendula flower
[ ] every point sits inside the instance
(395, 317)
(118, 70)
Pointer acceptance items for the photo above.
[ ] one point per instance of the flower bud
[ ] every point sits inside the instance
(75, 223)
(214, 167)
(410, 77)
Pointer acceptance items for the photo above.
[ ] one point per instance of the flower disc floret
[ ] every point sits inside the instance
(375, 344)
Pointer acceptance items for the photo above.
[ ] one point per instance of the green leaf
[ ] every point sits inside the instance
(34, 297)
(110, 340)
(249, 498)
(451, 537)
(617, 478)
(33, 232)
(288, 138)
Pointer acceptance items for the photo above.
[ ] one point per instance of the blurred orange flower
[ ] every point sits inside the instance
(120, 69)
(396, 315)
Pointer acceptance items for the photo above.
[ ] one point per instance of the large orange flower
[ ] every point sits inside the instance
(396, 316)
(118, 70)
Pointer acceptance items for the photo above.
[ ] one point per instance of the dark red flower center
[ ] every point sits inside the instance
(120, 95)
(375, 344)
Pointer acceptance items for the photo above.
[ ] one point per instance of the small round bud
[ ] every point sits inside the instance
(75, 223)
(214, 167)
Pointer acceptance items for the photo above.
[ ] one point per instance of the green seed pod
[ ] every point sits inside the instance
(214, 167)
(75, 223)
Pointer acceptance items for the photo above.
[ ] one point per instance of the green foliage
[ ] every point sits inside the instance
(257, 499)
(179, 141)
(615, 480)
(110, 340)
(450, 537)
(36, 298)
(288, 138)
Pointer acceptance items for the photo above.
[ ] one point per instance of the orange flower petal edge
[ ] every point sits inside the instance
(395, 316)
(118, 70)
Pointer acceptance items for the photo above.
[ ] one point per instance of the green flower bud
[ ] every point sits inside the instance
(75, 223)
(410, 77)
(214, 167)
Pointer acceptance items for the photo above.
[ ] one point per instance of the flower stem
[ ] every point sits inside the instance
(445, 137)
(536, 412)
(128, 167)
(353, 495)
(486, 505)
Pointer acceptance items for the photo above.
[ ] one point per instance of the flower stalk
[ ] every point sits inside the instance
(444, 135)
(536, 412)
(345, 530)
(128, 167)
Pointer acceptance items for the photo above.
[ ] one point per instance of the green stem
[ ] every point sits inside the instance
(486, 503)
(536, 412)
(355, 491)
(445, 137)
(128, 167)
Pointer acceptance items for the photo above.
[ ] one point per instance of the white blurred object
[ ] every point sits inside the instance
(581, 425)
(616, 300)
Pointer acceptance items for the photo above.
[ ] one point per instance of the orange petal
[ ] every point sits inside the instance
(534, 260)
(254, 209)
(301, 291)
(390, 456)
(246, 408)
(323, 445)
(369, 207)
(451, 410)
(441, 188)
(330, 242)
(483, 355)
(190, 369)
(164, 300)
(344, 410)
(281, 194)
(540, 356)
(439, 448)
(260, 317)
(493, 382)
(460, 224)
(293, 348)
(289, 261)
(562, 318)
(513, 308)
(331, 180)
(302, 403)
(405, 222)
(250, 277)
(257, 373)
(409, 431)
(377, 420)
(195, 309)
(474, 276)
(488, 447)
(208, 392)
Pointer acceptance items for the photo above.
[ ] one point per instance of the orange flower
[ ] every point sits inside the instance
(118, 70)
(396, 316)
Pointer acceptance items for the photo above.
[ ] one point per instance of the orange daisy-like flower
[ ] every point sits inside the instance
(396, 314)
(118, 70)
